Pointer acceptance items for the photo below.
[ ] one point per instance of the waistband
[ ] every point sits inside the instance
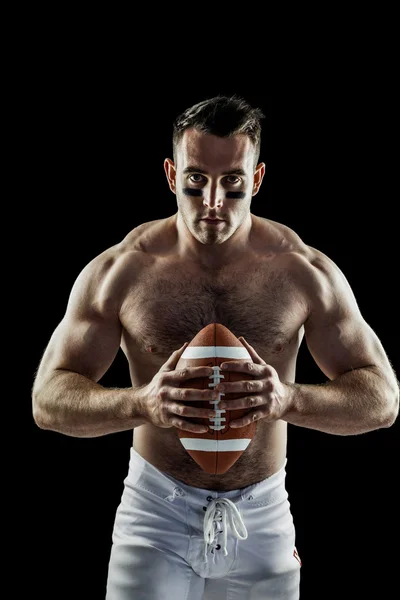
(142, 472)
(222, 508)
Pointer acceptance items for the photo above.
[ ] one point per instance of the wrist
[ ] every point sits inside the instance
(139, 405)
(290, 397)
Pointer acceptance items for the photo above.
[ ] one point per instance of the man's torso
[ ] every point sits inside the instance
(169, 299)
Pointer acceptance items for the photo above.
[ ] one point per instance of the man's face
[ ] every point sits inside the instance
(214, 178)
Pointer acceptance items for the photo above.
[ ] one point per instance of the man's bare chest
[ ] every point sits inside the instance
(170, 306)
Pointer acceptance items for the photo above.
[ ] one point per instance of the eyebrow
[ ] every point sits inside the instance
(195, 169)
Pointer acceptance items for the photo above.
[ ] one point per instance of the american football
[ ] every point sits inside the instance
(218, 449)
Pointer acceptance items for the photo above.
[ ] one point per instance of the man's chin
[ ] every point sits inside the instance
(211, 239)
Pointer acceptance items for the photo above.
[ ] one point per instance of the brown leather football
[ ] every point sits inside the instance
(218, 449)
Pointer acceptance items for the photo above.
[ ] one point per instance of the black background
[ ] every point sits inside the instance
(96, 144)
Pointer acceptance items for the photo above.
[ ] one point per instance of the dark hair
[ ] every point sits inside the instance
(223, 116)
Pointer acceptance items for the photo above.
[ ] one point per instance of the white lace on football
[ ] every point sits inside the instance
(217, 420)
(219, 511)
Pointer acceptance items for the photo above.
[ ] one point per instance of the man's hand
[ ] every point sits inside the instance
(269, 397)
(163, 398)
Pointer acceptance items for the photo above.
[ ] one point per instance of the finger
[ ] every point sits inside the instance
(250, 418)
(189, 411)
(246, 386)
(187, 426)
(193, 373)
(192, 395)
(242, 403)
(242, 366)
(172, 361)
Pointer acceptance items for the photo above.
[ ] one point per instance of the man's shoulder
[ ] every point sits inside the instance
(106, 276)
(282, 240)
(293, 252)
(139, 243)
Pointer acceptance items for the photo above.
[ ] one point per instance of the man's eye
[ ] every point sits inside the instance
(196, 178)
(232, 179)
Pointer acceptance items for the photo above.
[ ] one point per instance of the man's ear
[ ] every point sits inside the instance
(258, 177)
(170, 171)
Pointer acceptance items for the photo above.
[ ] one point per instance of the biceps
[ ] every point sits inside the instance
(344, 345)
(85, 346)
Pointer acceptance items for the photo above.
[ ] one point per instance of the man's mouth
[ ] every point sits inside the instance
(212, 221)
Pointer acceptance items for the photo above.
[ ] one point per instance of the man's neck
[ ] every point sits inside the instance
(213, 256)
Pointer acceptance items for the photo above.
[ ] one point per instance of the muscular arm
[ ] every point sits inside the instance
(362, 393)
(66, 396)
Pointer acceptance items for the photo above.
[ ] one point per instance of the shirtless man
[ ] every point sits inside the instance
(180, 532)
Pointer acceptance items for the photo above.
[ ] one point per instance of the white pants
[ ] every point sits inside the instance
(174, 541)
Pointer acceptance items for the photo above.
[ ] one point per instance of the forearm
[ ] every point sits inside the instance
(74, 405)
(356, 402)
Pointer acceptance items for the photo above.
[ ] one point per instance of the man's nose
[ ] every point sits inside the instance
(213, 196)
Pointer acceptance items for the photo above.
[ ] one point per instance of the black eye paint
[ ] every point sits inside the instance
(198, 193)
(192, 192)
(236, 195)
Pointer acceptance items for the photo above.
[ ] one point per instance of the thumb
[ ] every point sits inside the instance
(256, 358)
(172, 361)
